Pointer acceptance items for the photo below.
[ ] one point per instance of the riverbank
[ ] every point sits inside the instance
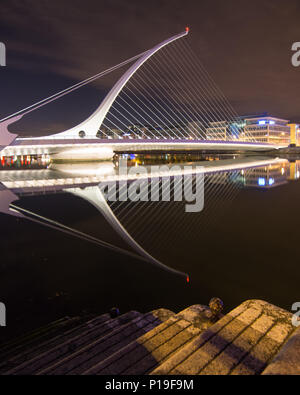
(254, 338)
(290, 153)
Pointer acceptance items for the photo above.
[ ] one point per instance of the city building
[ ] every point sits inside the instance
(195, 130)
(266, 129)
(260, 128)
(256, 128)
(218, 131)
(225, 130)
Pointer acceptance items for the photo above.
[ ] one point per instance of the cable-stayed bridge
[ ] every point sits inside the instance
(165, 101)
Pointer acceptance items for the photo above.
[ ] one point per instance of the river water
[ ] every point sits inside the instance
(243, 244)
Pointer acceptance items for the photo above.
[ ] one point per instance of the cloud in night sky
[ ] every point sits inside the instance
(245, 46)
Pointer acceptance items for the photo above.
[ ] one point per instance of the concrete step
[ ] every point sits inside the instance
(253, 338)
(92, 353)
(287, 361)
(58, 338)
(33, 338)
(68, 342)
(149, 350)
(242, 342)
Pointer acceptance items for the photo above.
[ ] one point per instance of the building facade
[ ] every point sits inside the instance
(259, 128)
(266, 129)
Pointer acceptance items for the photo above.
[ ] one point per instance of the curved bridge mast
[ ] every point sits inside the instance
(91, 125)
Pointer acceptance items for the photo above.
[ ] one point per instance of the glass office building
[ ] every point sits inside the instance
(259, 128)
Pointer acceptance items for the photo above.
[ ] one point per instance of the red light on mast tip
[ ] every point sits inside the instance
(187, 29)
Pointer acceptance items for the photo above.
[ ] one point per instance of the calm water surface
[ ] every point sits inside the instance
(244, 244)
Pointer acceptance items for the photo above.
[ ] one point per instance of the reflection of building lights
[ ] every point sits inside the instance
(282, 171)
(261, 182)
(271, 181)
(298, 174)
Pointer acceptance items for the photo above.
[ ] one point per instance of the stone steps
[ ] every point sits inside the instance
(36, 337)
(144, 353)
(196, 341)
(75, 350)
(287, 361)
(139, 355)
(243, 342)
(59, 346)
(57, 338)
(77, 362)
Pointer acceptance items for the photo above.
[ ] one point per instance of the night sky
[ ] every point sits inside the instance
(245, 46)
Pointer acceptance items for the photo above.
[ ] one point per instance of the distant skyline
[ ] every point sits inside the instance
(245, 46)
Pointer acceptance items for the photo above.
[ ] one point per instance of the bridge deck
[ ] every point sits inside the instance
(51, 146)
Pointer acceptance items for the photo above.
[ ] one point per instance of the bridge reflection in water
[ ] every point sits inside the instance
(152, 231)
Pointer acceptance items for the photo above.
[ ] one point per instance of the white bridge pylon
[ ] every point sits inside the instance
(91, 126)
(82, 142)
